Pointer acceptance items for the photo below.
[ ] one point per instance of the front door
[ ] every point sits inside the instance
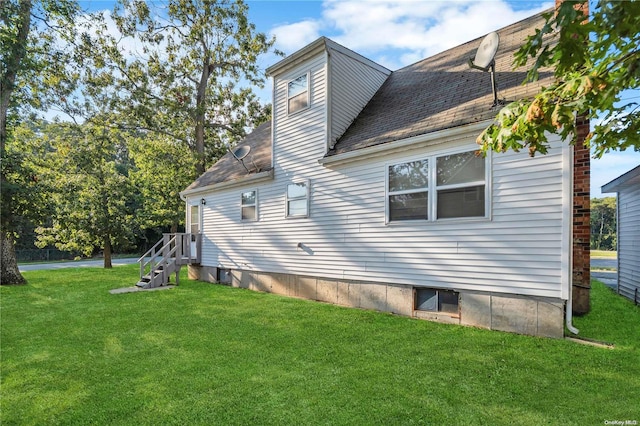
(195, 226)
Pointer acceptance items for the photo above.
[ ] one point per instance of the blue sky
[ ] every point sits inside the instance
(398, 33)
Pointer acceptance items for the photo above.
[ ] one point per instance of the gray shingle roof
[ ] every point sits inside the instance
(434, 94)
(228, 168)
(442, 92)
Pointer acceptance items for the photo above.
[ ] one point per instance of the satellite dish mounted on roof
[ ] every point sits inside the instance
(485, 61)
(240, 153)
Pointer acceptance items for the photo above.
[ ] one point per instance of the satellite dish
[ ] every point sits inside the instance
(486, 52)
(485, 61)
(240, 153)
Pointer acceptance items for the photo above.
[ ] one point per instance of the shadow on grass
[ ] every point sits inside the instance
(207, 354)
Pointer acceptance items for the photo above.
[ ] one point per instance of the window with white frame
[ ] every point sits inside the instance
(298, 94)
(194, 221)
(297, 199)
(437, 187)
(409, 190)
(249, 205)
(460, 185)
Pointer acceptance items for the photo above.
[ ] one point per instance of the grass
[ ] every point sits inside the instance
(206, 354)
(604, 254)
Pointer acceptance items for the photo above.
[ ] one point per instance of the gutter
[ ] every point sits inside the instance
(254, 178)
(419, 141)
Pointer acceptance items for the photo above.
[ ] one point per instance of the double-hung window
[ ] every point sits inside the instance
(437, 187)
(409, 191)
(297, 199)
(298, 94)
(460, 185)
(249, 205)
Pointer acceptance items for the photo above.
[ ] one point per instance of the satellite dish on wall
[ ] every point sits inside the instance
(485, 60)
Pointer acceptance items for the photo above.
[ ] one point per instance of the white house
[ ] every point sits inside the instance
(365, 190)
(627, 188)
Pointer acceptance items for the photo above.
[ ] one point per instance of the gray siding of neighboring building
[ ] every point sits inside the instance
(629, 243)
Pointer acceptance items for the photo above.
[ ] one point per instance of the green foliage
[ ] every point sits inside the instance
(594, 62)
(33, 74)
(603, 223)
(207, 354)
(87, 170)
(24, 189)
(161, 168)
(185, 81)
(35, 69)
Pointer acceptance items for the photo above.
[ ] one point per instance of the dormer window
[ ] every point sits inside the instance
(298, 94)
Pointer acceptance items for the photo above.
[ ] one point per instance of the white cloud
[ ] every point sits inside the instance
(397, 33)
(292, 37)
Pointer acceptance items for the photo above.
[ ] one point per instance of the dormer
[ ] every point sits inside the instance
(321, 87)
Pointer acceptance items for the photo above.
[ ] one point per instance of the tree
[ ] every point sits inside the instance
(88, 169)
(603, 223)
(594, 62)
(31, 64)
(161, 169)
(185, 82)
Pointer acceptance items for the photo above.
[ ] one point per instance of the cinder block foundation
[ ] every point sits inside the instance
(512, 313)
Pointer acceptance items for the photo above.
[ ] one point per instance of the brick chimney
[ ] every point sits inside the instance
(581, 277)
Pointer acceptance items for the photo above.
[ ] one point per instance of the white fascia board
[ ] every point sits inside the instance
(419, 141)
(297, 57)
(251, 179)
(632, 177)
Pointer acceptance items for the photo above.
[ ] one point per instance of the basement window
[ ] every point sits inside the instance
(434, 300)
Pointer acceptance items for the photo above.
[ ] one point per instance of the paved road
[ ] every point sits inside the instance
(76, 264)
(609, 278)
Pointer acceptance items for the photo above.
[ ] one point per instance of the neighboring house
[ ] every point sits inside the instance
(627, 188)
(365, 190)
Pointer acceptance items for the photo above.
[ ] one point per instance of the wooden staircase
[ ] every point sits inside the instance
(166, 257)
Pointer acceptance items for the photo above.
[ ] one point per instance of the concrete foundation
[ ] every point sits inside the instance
(505, 312)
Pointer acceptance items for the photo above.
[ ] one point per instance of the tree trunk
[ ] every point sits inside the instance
(201, 104)
(9, 272)
(107, 252)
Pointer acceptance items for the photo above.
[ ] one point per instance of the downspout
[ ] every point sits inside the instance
(569, 308)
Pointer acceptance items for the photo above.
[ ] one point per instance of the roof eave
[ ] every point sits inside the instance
(245, 180)
(621, 182)
(299, 56)
(413, 142)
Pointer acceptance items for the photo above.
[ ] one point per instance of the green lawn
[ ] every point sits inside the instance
(605, 254)
(206, 354)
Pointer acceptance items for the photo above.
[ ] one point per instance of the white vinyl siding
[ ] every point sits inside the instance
(519, 251)
(353, 84)
(629, 242)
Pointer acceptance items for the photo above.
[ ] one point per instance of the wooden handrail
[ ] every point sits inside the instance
(171, 246)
